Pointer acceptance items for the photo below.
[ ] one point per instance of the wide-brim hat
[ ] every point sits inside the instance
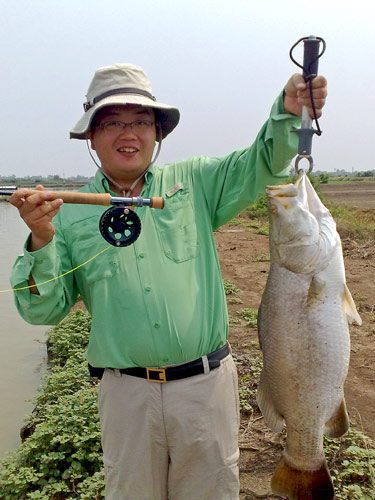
(119, 85)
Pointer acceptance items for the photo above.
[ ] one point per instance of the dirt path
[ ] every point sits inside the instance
(242, 254)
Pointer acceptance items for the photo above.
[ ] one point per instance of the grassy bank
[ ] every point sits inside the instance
(61, 459)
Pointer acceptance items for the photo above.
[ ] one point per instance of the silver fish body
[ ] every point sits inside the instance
(304, 337)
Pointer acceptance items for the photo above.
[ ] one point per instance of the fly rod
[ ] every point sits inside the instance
(118, 225)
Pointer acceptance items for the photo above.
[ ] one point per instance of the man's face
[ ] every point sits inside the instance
(124, 154)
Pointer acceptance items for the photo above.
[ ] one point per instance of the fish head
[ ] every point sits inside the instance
(294, 227)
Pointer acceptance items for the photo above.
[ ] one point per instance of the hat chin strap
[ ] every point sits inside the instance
(125, 192)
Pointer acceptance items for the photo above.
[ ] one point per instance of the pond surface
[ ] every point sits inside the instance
(22, 348)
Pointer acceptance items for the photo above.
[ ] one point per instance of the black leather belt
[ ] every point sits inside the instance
(185, 370)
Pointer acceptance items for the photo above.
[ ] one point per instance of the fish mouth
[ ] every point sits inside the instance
(287, 190)
(283, 191)
(277, 203)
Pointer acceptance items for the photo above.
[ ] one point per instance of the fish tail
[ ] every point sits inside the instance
(302, 484)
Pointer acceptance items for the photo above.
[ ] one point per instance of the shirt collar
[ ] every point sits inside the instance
(149, 174)
(101, 182)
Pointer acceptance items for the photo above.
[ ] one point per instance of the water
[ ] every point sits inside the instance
(22, 348)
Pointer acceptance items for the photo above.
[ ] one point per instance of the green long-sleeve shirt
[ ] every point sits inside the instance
(161, 300)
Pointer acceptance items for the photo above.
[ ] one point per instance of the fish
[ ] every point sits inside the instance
(303, 331)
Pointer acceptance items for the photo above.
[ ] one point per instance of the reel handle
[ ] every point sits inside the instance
(105, 199)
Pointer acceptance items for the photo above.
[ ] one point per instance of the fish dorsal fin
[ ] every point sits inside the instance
(349, 307)
(316, 292)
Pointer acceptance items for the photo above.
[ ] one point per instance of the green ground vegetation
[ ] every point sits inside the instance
(334, 178)
(352, 223)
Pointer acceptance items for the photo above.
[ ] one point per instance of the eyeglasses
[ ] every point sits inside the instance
(116, 127)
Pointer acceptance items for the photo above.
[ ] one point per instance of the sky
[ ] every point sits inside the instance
(222, 63)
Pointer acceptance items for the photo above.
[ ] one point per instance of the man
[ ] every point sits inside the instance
(166, 432)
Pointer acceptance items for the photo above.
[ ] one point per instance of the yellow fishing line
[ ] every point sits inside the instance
(57, 277)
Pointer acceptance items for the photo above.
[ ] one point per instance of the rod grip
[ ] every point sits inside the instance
(157, 202)
(77, 197)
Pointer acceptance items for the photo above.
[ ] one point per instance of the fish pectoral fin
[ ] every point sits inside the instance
(316, 292)
(338, 424)
(302, 484)
(349, 307)
(272, 417)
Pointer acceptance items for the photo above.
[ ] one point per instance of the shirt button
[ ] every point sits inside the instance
(141, 255)
(147, 288)
(157, 324)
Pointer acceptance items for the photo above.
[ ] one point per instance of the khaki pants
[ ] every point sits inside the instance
(175, 441)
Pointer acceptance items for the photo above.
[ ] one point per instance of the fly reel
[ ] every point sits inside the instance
(120, 226)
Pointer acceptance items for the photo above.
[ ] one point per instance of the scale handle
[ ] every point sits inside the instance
(105, 199)
(311, 47)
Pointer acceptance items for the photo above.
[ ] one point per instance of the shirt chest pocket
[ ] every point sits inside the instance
(88, 243)
(177, 226)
